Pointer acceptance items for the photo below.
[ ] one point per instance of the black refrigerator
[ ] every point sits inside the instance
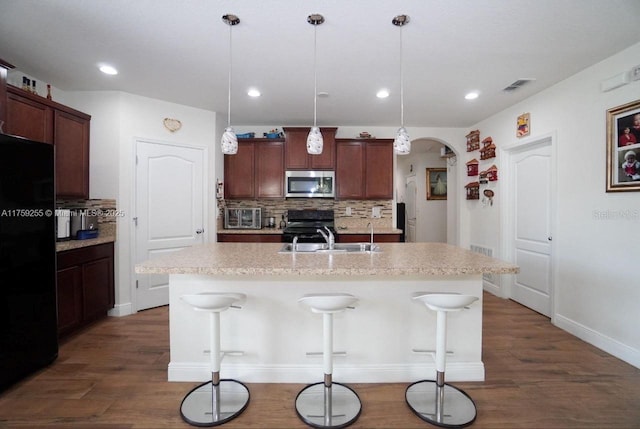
(28, 315)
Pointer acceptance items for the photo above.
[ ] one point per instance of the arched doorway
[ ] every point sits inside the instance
(436, 218)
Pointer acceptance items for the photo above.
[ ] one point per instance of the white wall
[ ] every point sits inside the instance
(597, 283)
(117, 119)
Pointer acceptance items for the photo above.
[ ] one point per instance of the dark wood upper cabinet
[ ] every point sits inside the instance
(239, 172)
(379, 171)
(4, 68)
(36, 118)
(350, 169)
(269, 170)
(72, 155)
(28, 118)
(256, 171)
(364, 169)
(296, 156)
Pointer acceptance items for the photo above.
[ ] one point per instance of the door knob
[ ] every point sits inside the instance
(550, 238)
(199, 231)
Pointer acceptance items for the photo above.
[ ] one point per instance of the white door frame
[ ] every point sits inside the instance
(506, 211)
(133, 231)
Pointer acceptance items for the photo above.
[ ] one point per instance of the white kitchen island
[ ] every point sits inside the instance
(275, 332)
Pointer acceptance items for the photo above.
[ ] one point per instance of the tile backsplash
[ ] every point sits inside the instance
(105, 208)
(361, 210)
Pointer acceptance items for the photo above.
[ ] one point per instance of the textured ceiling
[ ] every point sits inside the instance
(178, 51)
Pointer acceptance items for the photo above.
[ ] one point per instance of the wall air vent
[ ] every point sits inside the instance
(518, 84)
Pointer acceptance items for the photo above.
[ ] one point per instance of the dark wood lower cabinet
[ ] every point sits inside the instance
(85, 286)
(249, 238)
(277, 238)
(365, 238)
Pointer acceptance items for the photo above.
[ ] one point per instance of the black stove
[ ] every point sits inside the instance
(305, 224)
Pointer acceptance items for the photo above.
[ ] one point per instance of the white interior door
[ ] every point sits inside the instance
(410, 199)
(532, 195)
(169, 210)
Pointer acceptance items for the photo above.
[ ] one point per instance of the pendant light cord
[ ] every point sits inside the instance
(401, 84)
(315, 73)
(229, 94)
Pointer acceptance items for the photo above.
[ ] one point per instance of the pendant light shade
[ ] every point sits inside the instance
(229, 140)
(314, 139)
(402, 142)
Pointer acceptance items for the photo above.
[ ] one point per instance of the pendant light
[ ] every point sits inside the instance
(314, 139)
(402, 143)
(229, 140)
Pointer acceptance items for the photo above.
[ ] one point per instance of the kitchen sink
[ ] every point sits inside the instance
(324, 248)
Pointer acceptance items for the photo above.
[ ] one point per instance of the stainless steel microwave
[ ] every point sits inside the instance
(249, 218)
(310, 184)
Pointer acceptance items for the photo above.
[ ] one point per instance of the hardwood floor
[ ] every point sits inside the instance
(113, 375)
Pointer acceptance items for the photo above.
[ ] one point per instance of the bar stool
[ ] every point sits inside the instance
(437, 402)
(216, 401)
(328, 404)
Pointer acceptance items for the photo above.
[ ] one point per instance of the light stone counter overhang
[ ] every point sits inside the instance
(395, 259)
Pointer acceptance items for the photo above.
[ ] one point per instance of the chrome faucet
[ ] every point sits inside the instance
(370, 226)
(294, 245)
(329, 237)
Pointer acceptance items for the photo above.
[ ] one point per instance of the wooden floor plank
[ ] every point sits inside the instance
(113, 375)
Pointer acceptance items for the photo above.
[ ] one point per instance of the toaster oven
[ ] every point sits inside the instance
(247, 218)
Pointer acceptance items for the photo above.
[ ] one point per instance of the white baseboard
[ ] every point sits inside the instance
(121, 310)
(491, 288)
(603, 342)
(401, 373)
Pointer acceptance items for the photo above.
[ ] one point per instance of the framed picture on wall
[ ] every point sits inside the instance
(523, 128)
(623, 148)
(436, 183)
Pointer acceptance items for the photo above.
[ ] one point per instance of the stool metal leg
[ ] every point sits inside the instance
(217, 401)
(437, 402)
(328, 404)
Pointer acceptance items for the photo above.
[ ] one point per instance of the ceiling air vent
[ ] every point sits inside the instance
(518, 84)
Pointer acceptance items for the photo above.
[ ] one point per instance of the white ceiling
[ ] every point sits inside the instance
(178, 51)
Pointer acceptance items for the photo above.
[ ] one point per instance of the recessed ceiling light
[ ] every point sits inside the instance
(253, 93)
(383, 93)
(471, 96)
(107, 69)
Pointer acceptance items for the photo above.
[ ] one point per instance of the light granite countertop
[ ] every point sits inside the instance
(395, 259)
(343, 231)
(106, 234)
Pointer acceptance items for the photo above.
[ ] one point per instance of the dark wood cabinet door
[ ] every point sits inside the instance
(365, 238)
(269, 177)
(249, 238)
(379, 170)
(85, 286)
(69, 291)
(28, 118)
(350, 170)
(239, 171)
(327, 159)
(97, 279)
(296, 156)
(72, 155)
